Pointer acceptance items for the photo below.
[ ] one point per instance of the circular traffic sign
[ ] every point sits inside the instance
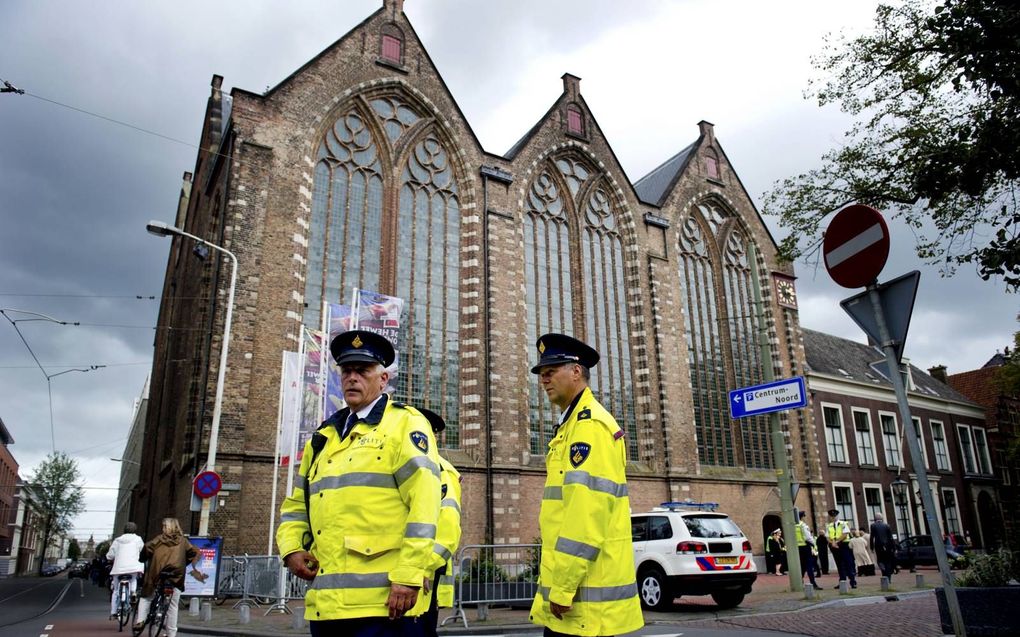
(856, 246)
(208, 484)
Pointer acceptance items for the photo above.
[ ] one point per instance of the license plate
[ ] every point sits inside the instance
(726, 561)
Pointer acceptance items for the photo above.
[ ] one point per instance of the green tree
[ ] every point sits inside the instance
(57, 495)
(73, 550)
(935, 96)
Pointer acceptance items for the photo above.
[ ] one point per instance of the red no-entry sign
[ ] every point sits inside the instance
(208, 484)
(856, 246)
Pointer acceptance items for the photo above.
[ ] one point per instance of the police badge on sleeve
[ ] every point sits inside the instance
(579, 453)
(420, 440)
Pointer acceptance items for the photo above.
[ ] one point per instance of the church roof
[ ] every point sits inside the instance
(653, 187)
(840, 357)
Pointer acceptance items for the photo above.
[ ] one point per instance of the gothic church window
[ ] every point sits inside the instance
(722, 336)
(558, 223)
(369, 151)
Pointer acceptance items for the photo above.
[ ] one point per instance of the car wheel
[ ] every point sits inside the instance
(653, 589)
(728, 599)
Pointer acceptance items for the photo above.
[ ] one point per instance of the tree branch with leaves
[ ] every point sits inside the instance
(935, 95)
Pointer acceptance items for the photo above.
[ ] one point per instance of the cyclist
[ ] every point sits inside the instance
(169, 549)
(125, 552)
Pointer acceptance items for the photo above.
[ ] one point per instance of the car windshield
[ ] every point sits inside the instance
(710, 526)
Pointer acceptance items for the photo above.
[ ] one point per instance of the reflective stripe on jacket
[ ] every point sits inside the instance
(448, 533)
(587, 554)
(837, 528)
(373, 508)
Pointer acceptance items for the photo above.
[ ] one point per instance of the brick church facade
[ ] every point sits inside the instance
(360, 170)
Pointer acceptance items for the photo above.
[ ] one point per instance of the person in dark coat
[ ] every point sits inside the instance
(823, 553)
(884, 546)
(169, 550)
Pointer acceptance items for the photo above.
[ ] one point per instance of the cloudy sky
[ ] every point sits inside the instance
(76, 190)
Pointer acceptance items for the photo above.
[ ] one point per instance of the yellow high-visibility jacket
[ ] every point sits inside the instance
(448, 534)
(373, 507)
(587, 555)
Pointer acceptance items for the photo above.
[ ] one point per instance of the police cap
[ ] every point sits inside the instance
(437, 422)
(833, 512)
(361, 346)
(557, 349)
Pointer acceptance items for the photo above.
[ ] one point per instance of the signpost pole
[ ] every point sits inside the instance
(784, 480)
(917, 459)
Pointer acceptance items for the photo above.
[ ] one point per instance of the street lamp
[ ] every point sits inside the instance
(127, 461)
(161, 229)
(899, 489)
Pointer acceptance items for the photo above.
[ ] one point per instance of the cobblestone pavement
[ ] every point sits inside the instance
(914, 617)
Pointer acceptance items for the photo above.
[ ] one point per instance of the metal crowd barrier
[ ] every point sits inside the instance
(494, 574)
(260, 580)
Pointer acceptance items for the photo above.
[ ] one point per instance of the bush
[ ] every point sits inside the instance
(991, 569)
(485, 571)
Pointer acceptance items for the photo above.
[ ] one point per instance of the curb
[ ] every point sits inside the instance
(877, 599)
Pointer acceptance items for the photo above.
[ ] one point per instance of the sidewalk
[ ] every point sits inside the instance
(765, 607)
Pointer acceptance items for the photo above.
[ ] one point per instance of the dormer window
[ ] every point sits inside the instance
(391, 48)
(575, 123)
(712, 164)
(391, 44)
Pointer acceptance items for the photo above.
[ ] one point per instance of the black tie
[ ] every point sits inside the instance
(351, 421)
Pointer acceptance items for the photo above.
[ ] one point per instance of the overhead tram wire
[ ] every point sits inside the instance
(131, 126)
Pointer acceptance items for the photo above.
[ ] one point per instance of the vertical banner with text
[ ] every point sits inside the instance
(293, 390)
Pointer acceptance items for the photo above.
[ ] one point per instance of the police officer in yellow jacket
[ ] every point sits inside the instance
(360, 524)
(447, 535)
(587, 583)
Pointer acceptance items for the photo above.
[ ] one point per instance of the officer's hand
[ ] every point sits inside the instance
(302, 564)
(401, 600)
(557, 610)
(425, 588)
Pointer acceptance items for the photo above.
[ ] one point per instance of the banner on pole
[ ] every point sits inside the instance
(293, 389)
(311, 395)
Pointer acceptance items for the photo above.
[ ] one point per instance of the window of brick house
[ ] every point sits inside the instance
(575, 123)
(392, 48)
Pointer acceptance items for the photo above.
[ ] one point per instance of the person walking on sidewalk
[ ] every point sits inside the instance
(862, 556)
(838, 532)
(587, 583)
(360, 524)
(126, 553)
(447, 534)
(883, 545)
(806, 548)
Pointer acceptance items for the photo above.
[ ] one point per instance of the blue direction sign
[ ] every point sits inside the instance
(763, 399)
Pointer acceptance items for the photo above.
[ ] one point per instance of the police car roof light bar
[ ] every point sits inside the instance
(689, 504)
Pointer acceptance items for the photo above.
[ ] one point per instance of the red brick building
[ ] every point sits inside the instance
(863, 450)
(8, 506)
(1002, 415)
(360, 170)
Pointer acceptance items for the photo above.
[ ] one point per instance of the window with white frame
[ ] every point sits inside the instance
(920, 440)
(890, 440)
(843, 494)
(938, 438)
(872, 503)
(966, 448)
(984, 461)
(951, 512)
(901, 509)
(835, 443)
(864, 437)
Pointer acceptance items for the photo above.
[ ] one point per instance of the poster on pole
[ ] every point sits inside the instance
(202, 577)
(379, 313)
(311, 397)
(293, 388)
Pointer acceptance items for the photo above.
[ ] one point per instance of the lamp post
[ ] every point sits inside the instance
(899, 489)
(161, 229)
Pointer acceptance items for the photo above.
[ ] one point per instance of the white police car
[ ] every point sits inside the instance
(687, 548)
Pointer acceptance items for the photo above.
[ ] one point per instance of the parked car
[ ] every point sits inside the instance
(918, 550)
(687, 548)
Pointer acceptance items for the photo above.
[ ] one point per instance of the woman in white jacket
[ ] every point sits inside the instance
(124, 551)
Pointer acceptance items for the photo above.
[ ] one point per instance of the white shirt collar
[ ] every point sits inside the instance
(367, 409)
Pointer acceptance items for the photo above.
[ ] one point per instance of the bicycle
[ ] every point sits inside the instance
(126, 606)
(155, 619)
